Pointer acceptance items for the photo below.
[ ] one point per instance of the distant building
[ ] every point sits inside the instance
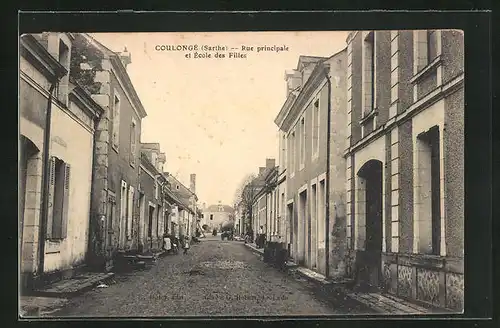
(153, 212)
(263, 191)
(214, 216)
(185, 214)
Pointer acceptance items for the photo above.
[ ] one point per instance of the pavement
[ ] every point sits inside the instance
(215, 278)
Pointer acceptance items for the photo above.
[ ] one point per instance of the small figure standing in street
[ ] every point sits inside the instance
(186, 244)
(167, 243)
(260, 243)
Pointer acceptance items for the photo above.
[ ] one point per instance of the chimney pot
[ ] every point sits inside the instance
(193, 183)
(270, 163)
(125, 57)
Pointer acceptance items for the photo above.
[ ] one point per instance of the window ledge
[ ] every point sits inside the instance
(115, 148)
(368, 116)
(426, 70)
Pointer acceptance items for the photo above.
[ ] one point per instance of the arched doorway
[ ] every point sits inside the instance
(29, 184)
(369, 216)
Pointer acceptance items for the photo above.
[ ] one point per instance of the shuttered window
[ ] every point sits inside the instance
(302, 142)
(133, 136)
(123, 211)
(315, 134)
(130, 210)
(116, 120)
(58, 209)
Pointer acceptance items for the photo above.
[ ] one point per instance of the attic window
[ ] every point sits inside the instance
(177, 187)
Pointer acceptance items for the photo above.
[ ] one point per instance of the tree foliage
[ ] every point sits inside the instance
(86, 60)
(246, 195)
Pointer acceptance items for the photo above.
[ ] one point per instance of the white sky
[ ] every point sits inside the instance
(215, 117)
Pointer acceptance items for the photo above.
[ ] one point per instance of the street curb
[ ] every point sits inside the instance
(324, 289)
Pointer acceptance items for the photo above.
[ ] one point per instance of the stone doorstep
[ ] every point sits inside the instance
(312, 276)
(318, 278)
(73, 287)
(255, 249)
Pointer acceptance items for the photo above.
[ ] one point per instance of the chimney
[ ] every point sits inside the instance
(293, 80)
(270, 163)
(261, 170)
(306, 72)
(193, 183)
(125, 57)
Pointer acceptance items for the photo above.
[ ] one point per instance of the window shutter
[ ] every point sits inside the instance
(65, 213)
(315, 124)
(132, 143)
(50, 200)
(130, 211)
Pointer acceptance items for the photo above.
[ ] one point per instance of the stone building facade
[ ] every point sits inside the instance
(54, 238)
(154, 211)
(315, 88)
(185, 213)
(260, 191)
(214, 216)
(405, 145)
(116, 170)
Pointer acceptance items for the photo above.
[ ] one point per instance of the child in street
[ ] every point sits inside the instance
(186, 244)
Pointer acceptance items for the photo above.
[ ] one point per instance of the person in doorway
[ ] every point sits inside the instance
(186, 244)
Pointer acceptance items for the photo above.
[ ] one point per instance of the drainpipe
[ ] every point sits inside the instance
(91, 249)
(46, 181)
(327, 178)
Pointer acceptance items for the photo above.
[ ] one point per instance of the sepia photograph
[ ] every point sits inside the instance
(241, 174)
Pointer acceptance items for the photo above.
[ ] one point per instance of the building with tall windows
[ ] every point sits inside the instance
(103, 73)
(152, 220)
(55, 176)
(315, 93)
(405, 144)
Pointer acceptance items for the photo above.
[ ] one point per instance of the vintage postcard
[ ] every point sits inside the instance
(241, 173)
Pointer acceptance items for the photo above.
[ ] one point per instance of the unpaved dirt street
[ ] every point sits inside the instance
(215, 278)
